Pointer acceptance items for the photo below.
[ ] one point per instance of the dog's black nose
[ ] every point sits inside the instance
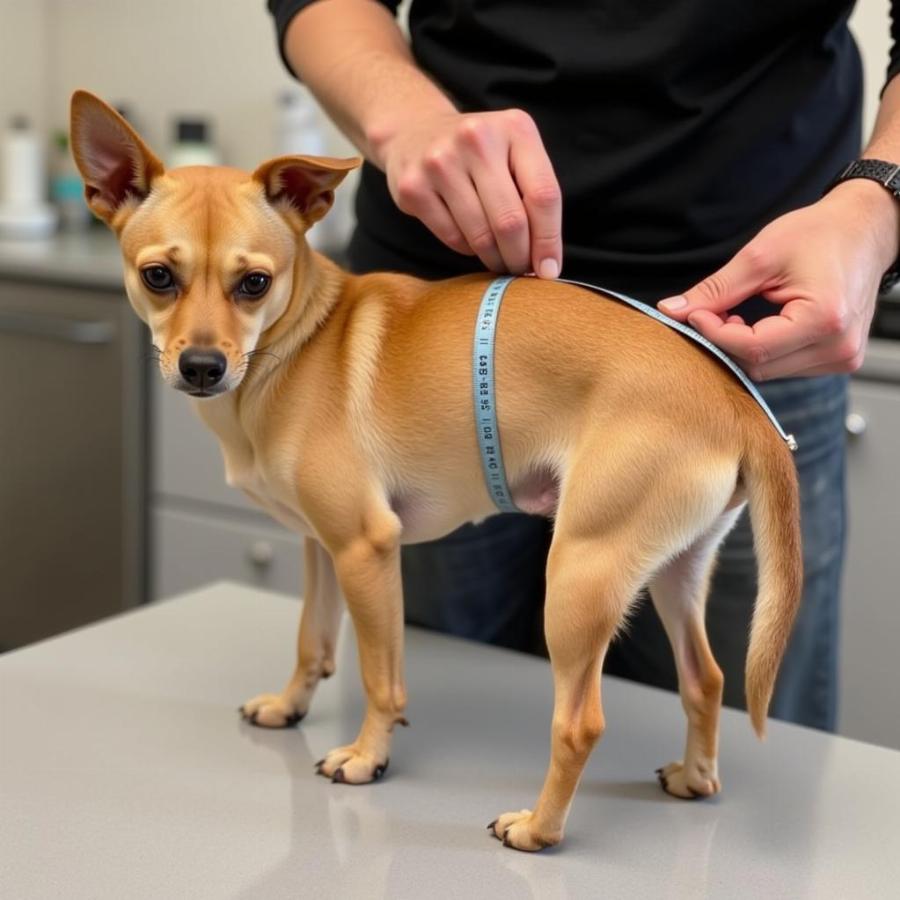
(202, 368)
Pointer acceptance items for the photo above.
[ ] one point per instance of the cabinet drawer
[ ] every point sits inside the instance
(72, 459)
(870, 620)
(192, 549)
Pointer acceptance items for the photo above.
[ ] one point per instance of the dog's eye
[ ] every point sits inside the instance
(158, 278)
(254, 285)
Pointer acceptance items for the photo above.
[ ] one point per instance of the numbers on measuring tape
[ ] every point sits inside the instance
(483, 388)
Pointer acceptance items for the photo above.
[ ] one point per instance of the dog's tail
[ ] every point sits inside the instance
(770, 477)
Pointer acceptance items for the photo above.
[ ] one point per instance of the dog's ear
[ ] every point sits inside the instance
(114, 162)
(305, 183)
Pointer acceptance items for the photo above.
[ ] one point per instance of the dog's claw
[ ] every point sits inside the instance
(351, 775)
(492, 824)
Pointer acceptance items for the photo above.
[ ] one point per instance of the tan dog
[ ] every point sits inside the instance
(343, 406)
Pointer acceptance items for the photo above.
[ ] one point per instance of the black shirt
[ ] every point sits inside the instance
(677, 128)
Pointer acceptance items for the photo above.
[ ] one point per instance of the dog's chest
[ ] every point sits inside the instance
(247, 472)
(249, 478)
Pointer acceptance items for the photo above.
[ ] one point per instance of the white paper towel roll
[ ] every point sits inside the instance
(22, 183)
(23, 210)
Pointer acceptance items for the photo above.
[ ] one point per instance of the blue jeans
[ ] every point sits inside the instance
(486, 582)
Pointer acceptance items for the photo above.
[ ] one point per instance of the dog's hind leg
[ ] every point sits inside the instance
(679, 593)
(589, 586)
(625, 509)
(316, 640)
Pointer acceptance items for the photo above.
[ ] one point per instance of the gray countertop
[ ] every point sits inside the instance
(126, 772)
(79, 259)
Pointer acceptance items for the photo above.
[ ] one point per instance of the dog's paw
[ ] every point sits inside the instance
(271, 711)
(688, 782)
(517, 830)
(347, 765)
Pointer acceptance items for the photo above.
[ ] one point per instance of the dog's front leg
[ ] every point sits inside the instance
(368, 569)
(316, 640)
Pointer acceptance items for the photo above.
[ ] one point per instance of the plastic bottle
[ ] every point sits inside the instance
(192, 146)
(301, 131)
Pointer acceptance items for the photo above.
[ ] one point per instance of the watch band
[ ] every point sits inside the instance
(887, 174)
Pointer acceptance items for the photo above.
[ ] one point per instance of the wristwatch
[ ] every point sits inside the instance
(888, 176)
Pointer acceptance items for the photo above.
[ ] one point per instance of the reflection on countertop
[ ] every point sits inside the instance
(88, 258)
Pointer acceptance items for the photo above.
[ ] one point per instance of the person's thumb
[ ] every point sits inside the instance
(737, 280)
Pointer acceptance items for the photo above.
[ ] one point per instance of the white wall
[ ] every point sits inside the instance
(871, 25)
(162, 58)
(23, 50)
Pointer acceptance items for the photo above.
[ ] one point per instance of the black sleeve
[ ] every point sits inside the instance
(894, 64)
(283, 11)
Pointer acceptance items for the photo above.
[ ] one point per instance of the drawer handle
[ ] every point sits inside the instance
(261, 554)
(856, 424)
(71, 330)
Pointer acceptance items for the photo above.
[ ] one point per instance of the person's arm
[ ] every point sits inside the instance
(822, 263)
(481, 182)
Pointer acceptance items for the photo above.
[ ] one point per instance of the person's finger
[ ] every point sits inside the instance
(505, 211)
(769, 339)
(842, 354)
(458, 193)
(416, 197)
(437, 219)
(832, 368)
(538, 185)
(746, 274)
(735, 320)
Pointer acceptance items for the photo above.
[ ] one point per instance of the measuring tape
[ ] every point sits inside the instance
(483, 379)
(485, 403)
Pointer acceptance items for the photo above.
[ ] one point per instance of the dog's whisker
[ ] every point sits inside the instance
(256, 354)
(251, 362)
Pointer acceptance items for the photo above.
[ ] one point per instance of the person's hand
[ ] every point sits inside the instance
(822, 264)
(483, 184)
